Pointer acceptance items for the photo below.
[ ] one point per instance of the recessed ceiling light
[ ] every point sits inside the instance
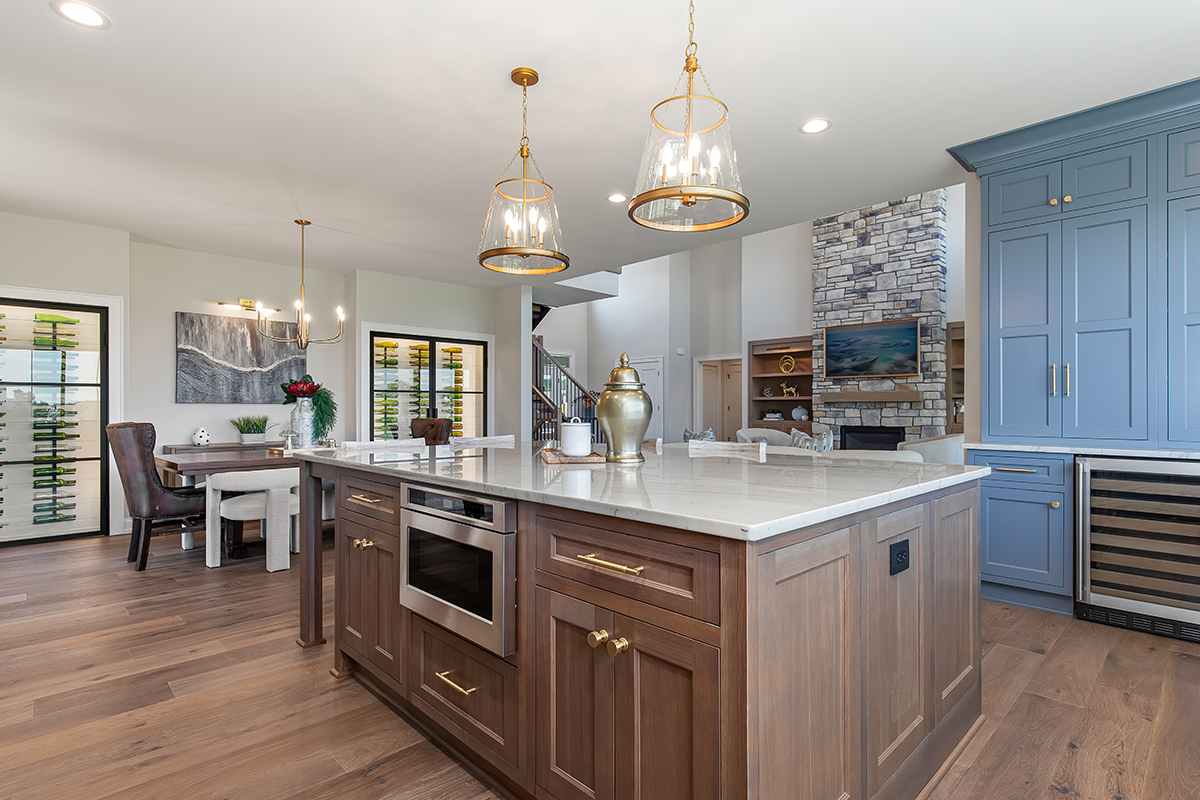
(617, 198)
(81, 14)
(815, 125)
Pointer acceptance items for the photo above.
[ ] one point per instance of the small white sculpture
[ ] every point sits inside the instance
(201, 437)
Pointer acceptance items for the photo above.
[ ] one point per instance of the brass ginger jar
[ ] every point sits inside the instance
(624, 411)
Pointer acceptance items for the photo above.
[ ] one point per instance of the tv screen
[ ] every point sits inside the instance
(874, 350)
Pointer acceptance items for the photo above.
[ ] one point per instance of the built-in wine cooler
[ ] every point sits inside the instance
(53, 406)
(1138, 538)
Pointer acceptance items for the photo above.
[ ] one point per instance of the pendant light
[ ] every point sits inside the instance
(521, 234)
(688, 180)
(301, 339)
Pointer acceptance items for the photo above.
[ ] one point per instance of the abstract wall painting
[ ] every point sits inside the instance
(224, 360)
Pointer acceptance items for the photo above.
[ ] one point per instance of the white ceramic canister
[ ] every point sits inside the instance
(576, 438)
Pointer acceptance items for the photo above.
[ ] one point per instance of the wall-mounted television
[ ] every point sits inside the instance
(874, 350)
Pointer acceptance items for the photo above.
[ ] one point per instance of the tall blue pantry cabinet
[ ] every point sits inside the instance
(1090, 318)
(53, 407)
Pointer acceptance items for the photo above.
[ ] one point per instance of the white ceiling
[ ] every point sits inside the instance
(210, 125)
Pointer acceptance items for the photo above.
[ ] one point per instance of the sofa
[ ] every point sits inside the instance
(938, 449)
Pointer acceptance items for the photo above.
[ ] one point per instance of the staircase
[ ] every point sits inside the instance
(557, 397)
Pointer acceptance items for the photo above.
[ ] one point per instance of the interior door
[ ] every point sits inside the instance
(731, 386)
(711, 399)
(650, 372)
(1025, 373)
(1104, 325)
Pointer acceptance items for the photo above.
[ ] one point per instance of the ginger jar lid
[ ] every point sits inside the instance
(624, 376)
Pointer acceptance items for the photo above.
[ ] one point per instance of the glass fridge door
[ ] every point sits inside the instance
(400, 385)
(461, 389)
(51, 416)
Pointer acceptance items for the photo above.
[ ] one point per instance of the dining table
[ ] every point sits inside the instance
(183, 469)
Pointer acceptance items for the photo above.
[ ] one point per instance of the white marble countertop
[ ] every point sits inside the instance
(722, 496)
(1082, 450)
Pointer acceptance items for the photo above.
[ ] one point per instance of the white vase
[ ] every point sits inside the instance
(302, 422)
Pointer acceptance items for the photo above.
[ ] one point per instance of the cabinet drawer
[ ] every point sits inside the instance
(1012, 467)
(471, 693)
(376, 500)
(669, 576)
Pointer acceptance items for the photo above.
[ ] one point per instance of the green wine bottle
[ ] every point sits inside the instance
(52, 435)
(53, 518)
(55, 342)
(55, 318)
(46, 483)
(52, 506)
(54, 470)
(53, 423)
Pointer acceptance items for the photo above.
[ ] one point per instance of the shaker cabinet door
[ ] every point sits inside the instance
(1109, 176)
(1024, 336)
(1183, 320)
(1025, 194)
(1024, 538)
(354, 603)
(1104, 375)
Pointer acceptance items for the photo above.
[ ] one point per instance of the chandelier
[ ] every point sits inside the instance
(521, 234)
(301, 339)
(688, 180)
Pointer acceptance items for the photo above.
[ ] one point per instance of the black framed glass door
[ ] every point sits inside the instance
(413, 377)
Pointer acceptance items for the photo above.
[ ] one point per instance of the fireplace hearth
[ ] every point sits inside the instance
(870, 437)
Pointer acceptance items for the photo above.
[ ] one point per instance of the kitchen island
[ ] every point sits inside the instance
(692, 627)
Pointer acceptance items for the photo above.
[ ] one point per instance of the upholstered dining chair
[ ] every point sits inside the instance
(268, 498)
(435, 431)
(156, 510)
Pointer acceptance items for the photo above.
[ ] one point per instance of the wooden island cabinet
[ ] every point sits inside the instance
(835, 661)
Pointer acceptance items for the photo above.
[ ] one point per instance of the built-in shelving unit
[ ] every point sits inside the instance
(769, 380)
(956, 376)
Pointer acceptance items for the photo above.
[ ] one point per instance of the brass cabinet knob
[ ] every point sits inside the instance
(597, 638)
(618, 646)
(367, 543)
(1053, 201)
(358, 544)
(1055, 504)
(1067, 199)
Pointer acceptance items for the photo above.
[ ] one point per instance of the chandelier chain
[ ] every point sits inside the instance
(691, 48)
(525, 113)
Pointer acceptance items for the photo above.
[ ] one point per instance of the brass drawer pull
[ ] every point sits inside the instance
(597, 638)
(363, 544)
(453, 685)
(590, 558)
(1054, 380)
(365, 499)
(1013, 469)
(618, 646)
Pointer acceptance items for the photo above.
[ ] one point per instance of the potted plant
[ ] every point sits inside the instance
(315, 411)
(252, 428)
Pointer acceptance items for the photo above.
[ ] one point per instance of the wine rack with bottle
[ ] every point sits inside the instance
(52, 387)
(415, 377)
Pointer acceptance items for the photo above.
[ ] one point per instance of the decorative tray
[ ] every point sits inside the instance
(554, 456)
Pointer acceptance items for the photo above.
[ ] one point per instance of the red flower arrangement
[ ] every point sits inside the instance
(304, 387)
(324, 406)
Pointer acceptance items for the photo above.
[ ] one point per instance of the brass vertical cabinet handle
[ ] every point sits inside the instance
(1054, 380)
(1068, 380)
(453, 685)
(597, 638)
(1067, 199)
(1055, 504)
(1053, 201)
(590, 558)
(618, 646)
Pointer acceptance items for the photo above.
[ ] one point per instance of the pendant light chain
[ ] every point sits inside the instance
(691, 48)
(525, 113)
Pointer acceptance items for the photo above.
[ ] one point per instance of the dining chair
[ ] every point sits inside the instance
(435, 431)
(156, 510)
(267, 497)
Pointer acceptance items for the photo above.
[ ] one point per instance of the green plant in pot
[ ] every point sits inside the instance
(315, 411)
(253, 428)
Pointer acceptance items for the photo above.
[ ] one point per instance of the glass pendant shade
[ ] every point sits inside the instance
(521, 235)
(688, 180)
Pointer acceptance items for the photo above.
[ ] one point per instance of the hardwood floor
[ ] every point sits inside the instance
(183, 682)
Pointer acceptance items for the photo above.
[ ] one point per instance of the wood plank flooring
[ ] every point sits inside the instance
(183, 682)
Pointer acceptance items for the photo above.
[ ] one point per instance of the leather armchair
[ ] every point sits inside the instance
(155, 509)
(434, 431)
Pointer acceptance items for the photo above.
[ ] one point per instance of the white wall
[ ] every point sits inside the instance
(956, 256)
(164, 280)
(514, 362)
(566, 328)
(634, 322)
(777, 283)
(716, 299)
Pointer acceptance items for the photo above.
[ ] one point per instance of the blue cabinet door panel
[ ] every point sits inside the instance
(1024, 538)
(1104, 325)
(1183, 320)
(1109, 176)
(1024, 194)
(1183, 160)
(1024, 331)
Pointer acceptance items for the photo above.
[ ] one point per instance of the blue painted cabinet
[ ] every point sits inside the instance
(1067, 328)
(1183, 160)
(1026, 511)
(1183, 320)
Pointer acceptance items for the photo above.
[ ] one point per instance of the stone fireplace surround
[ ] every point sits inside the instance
(876, 264)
